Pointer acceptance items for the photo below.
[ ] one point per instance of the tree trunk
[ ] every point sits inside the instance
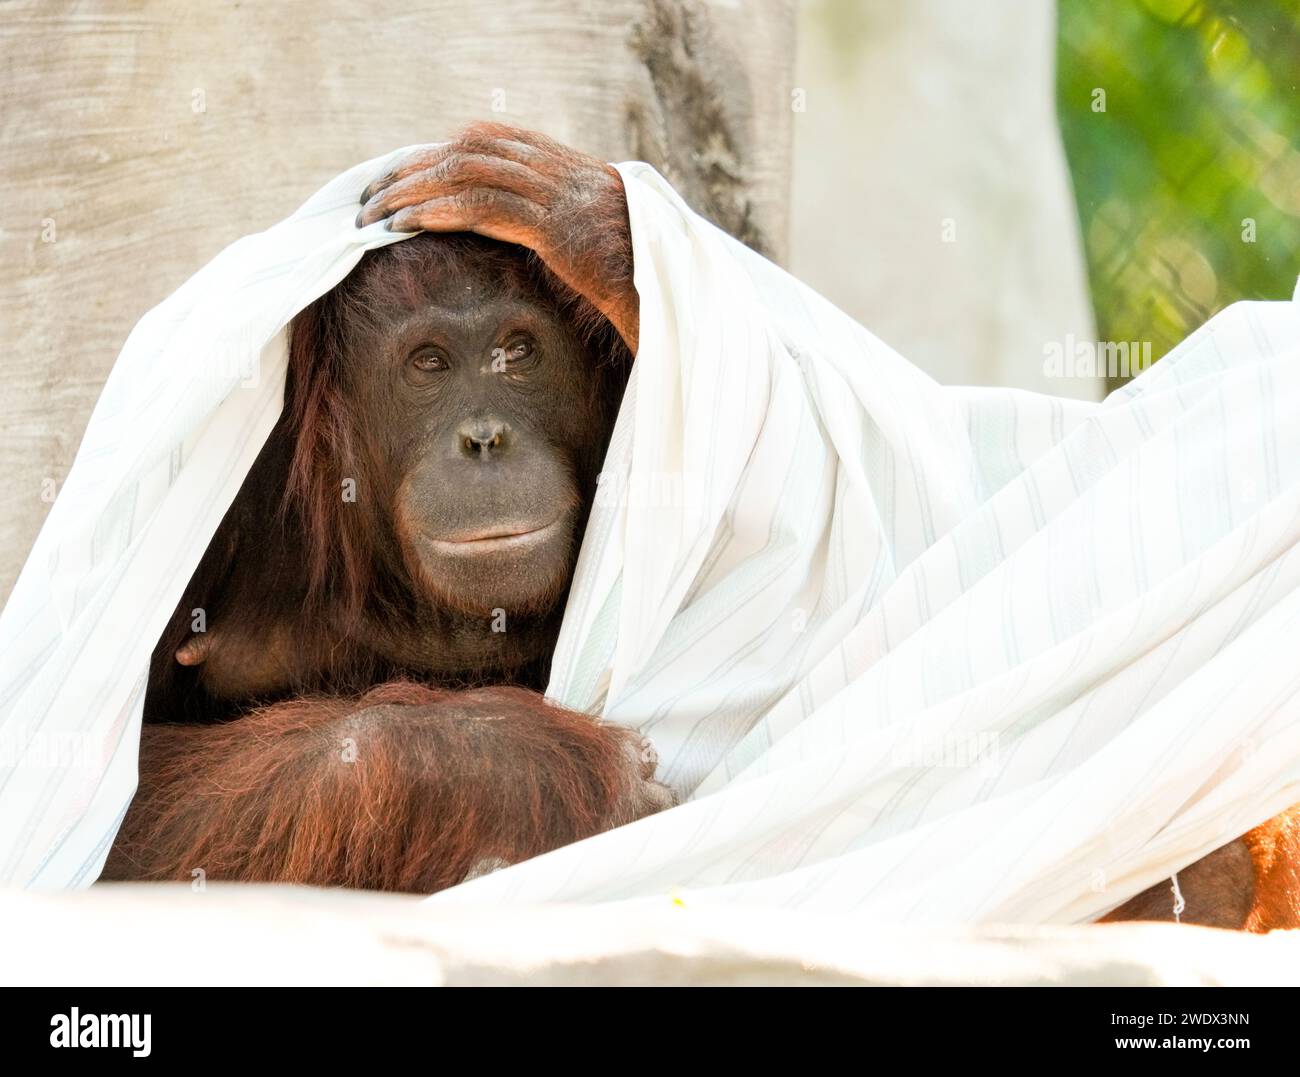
(141, 138)
(931, 199)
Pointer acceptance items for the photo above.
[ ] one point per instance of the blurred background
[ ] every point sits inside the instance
(1178, 191)
(976, 183)
(1189, 193)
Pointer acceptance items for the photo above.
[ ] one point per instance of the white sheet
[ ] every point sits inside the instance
(923, 653)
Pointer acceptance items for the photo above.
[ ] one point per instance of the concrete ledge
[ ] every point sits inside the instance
(133, 934)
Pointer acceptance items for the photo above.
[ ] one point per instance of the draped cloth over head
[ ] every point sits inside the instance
(918, 652)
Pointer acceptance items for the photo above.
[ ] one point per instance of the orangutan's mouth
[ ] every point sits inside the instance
(496, 540)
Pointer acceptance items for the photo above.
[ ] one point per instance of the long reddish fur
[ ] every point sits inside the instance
(1274, 851)
(441, 781)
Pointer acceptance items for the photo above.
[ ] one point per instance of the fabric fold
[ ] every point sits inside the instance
(915, 652)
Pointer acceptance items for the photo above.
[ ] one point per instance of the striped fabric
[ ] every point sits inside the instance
(190, 401)
(926, 653)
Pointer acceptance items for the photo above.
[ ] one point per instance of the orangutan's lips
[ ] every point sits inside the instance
(494, 541)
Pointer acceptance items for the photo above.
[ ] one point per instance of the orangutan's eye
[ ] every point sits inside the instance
(429, 360)
(514, 356)
(519, 349)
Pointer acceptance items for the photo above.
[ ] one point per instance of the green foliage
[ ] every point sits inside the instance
(1188, 183)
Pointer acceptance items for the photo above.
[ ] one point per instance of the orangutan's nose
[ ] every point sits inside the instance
(482, 436)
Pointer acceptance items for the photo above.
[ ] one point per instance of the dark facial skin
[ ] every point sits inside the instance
(486, 399)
